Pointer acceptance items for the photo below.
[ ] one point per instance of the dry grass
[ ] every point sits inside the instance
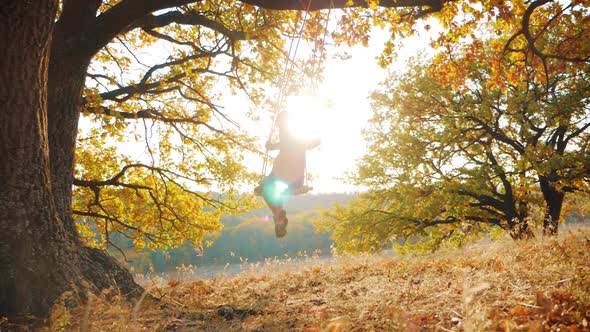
(537, 285)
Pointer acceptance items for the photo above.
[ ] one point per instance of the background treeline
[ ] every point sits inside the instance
(245, 237)
(250, 237)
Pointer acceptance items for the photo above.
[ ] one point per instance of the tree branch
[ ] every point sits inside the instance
(167, 38)
(498, 134)
(483, 199)
(150, 236)
(577, 132)
(192, 18)
(423, 223)
(526, 17)
(314, 5)
(143, 86)
(154, 115)
(119, 18)
(116, 177)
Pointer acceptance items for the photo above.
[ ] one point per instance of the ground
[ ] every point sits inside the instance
(534, 285)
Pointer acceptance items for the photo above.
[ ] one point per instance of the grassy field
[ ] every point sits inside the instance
(537, 285)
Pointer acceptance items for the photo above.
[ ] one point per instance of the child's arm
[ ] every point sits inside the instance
(311, 144)
(272, 146)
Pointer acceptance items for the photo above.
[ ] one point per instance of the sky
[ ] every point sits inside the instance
(344, 110)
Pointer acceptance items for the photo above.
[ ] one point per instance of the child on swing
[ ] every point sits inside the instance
(288, 170)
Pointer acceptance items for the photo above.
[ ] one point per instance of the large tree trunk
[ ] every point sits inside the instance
(554, 201)
(66, 81)
(40, 254)
(516, 217)
(34, 249)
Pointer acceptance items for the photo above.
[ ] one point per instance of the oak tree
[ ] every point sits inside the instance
(57, 63)
(487, 133)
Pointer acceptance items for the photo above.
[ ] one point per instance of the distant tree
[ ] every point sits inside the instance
(487, 133)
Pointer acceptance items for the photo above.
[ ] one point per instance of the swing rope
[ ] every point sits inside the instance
(283, 82)
(288, 66)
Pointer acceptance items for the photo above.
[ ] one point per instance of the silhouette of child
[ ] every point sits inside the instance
(288, 171)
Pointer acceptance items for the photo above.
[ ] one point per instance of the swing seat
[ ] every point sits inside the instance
(304, 189)
(300, 190)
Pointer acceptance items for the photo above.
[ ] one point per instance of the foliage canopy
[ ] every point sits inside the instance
(490, 131)
(160, 85)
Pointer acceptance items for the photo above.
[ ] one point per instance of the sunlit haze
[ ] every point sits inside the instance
(337, 111)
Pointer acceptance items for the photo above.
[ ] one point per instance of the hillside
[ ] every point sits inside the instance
(537, 285)
(244, 237)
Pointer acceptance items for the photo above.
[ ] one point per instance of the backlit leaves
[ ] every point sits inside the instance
(460, 143)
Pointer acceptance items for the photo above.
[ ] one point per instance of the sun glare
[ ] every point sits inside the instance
(337, 122)
(306, 116)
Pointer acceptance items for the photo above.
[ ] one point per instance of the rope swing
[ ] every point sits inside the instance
(292, 55)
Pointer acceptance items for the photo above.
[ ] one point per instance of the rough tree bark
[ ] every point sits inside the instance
(554, 201)
(34, 250)
(67, 71)
(40, 254)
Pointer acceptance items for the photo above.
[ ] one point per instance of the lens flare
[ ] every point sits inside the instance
(280, 187)
(275, 191)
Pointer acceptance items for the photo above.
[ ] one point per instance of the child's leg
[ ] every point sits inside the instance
(281, 222)
(276, 205)
(279, 216)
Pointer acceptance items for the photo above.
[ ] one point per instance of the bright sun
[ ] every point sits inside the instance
(306, 116)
